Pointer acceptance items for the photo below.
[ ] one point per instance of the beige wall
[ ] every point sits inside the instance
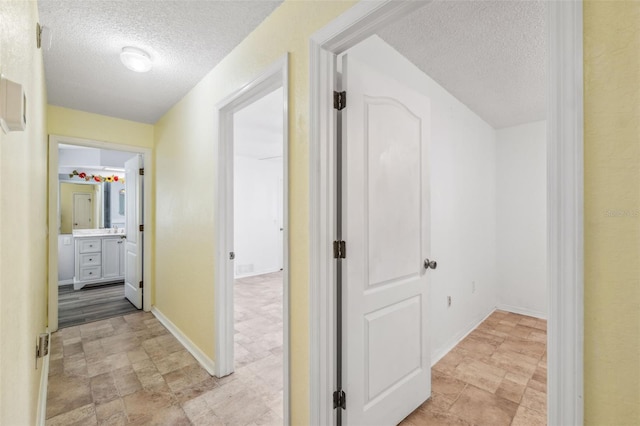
(185, 179)
(612, 212)
(23, 220)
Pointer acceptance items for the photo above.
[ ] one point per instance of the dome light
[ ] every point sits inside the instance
(135, 59)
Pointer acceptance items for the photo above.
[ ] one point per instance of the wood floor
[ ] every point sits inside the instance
(91, 304)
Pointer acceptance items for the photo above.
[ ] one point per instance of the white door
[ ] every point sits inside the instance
(387, 368)
(133, 219)
(82, 210)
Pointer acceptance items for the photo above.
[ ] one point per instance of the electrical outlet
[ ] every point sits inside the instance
(473, 286)
(448, 301)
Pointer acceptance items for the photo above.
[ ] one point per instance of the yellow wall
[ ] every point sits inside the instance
(23, 220)
(185, 179)
(79, 124)
(612, 212)
(66, 204)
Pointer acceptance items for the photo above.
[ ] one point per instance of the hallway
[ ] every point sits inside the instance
(131, 370)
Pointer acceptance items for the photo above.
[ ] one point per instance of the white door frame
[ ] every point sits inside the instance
(54, 217)
(564, 195)
(275, 76)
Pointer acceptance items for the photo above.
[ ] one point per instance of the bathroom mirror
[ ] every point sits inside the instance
(90, 205)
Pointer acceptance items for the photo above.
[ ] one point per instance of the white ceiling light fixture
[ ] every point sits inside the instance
(135, 59)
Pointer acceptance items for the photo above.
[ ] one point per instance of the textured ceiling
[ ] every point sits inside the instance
(490, 55)
(185, 39)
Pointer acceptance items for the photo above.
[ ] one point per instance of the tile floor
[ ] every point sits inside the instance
(131, 370)
(496, 376)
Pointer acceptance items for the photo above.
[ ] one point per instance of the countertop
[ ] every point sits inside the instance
(88, 233)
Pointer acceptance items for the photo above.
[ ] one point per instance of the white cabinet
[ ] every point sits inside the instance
(112, 254)
(98, 259)
(122, 250)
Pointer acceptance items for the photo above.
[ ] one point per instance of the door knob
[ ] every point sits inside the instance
(232, 255)
(430, 264)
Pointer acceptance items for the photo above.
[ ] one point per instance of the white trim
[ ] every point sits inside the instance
(321, 230)
(451, 343)
(522, 311)
(41, 415)
(206, 362)
(565, 194)
(65, 282)
(345, 31)
(272, 78)
(148, 242)
(565, 213)
(256, 273)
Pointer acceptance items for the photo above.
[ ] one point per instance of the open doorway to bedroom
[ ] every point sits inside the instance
(258, 243)
(326, 45)
(252, 272)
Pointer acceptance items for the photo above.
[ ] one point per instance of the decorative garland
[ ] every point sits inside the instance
(97, 178)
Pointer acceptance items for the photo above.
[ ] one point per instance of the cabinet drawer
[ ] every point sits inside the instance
(89, 246)
(90, 259)
(90, 273)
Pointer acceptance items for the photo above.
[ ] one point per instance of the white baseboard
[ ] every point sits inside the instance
(65, 282)
(256, 273)
(522, 311)
(41, 415)
(206, 362)
(439, 353)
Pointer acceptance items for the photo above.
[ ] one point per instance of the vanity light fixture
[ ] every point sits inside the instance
(135, 59)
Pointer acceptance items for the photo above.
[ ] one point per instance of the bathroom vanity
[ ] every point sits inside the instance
(99, 256)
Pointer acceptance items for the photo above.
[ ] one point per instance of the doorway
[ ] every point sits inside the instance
(257, 241)
(98, 243)
(252, 274)
(91, 266)
(564, 255)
